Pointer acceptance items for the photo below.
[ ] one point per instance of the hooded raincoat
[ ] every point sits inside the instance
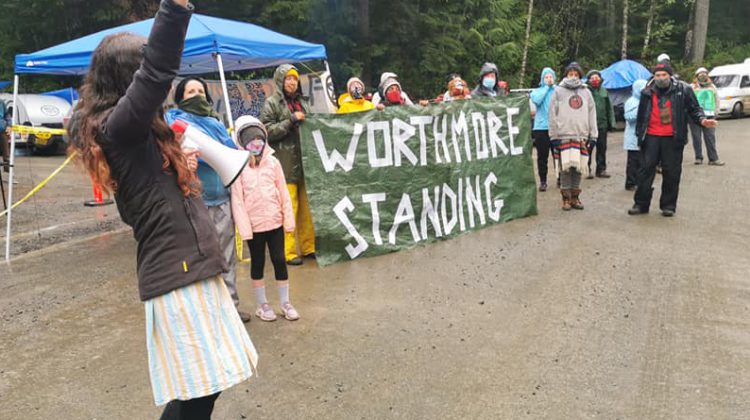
(283, 132)
(631, 116)
(541, 97)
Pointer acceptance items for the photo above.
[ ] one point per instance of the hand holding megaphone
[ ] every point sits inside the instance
(227, 162)
(192, 158)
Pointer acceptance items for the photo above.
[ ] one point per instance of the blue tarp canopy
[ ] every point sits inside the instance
(242, 46)
(623, 73)
(69, 94)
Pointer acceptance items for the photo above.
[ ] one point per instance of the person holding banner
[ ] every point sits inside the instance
(489, 75)
(125, 145)
(458, 90)
(354, 98)
(282, 115)
(389, 92)
(572, 126)
(263, 212)
(194, 106)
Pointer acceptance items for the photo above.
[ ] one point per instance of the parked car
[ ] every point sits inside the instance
(733, 85)
(39, 111)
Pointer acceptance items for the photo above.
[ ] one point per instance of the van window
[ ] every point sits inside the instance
(745, 82)
(725, 80)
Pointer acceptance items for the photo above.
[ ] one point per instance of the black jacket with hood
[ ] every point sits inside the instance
(684, 105)
(177, 242)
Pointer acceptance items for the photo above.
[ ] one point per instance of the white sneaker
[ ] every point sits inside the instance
(289, 312)
(266, 313)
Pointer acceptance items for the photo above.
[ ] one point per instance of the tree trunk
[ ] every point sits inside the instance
(363, 38)
(624, 52)
(700, 31)
(526, 44)
(611, 22)
(648, 30)
(689, 33)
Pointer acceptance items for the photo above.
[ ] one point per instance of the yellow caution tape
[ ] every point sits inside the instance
(43, 134)
(240, 247)
(40, 185)
(238, 240)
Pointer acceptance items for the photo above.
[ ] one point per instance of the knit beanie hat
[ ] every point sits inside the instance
(664, 66)
(574, 66)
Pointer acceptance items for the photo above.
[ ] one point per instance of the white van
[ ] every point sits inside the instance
(39, 111)
(733, 84)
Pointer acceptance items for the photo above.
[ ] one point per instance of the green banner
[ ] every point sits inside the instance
(384, 181)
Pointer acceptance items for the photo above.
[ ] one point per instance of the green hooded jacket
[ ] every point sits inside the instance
(283, 133)
(605, 114)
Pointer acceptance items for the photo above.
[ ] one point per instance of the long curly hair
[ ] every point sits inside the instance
(113, 65)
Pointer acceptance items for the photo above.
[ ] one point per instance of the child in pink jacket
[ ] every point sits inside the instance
(262, 211)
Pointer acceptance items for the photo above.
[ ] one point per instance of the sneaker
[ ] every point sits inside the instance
(636, 210)
(266, 313)
(311, 256)
(590, 176)
(244, 316)
(698, 162)
(603, 174)
(667, 213)
(289, 312)
(630, 187)
(295, 261)
(716, 163)
(543, 187)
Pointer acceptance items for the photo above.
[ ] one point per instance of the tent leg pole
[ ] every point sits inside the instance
(328, 69)
(13, 136)
(225, 93)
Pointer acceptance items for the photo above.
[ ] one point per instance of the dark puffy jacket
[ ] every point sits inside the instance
(283, 133)
(177, 243)
(684, 106)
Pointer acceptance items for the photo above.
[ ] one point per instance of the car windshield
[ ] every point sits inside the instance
(726, 80)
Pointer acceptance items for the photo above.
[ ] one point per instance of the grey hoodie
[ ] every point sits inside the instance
(572, 112)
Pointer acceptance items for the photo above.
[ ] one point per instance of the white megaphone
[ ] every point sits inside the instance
(227, 162)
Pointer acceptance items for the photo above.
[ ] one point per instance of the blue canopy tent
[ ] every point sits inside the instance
(620, 76)
(69, 94)
(623, 73)
(211, 44)
(241, 46)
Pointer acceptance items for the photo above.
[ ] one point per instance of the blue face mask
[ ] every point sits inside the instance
(489, 83)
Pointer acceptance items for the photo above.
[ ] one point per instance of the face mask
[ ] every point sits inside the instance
(596, 83)
(197, 105)
(549, 82)
(255, 147)
(662, 83)
(489, 83)
(394, 96)
(357, 92)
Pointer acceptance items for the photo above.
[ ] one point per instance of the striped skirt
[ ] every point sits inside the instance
(571, 154)
(197, 344)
